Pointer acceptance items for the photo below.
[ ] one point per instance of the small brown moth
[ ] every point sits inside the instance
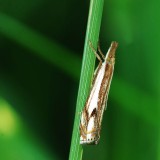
(92, 114)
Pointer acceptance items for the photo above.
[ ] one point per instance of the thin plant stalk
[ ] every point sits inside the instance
(92, 34)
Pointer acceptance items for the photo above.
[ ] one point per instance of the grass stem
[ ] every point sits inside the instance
(92, 34)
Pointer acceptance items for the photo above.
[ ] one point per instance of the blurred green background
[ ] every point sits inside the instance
(41, 46)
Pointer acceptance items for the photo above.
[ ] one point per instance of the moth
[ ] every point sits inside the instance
(92, 114)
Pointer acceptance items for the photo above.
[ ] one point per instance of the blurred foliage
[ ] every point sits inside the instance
(40, 58)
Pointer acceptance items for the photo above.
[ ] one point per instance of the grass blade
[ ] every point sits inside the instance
(92, 34)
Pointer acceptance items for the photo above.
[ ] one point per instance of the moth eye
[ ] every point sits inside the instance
(91, 139)
(88, 139)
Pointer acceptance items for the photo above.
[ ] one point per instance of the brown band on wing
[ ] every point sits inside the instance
(105, 94)
(83, 131)
(93, 131)
(103, 90)
(86, 114)
(94, 113)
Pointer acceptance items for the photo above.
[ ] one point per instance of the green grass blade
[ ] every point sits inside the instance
(92, 34)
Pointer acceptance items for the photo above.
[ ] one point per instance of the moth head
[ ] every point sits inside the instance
(111, 52)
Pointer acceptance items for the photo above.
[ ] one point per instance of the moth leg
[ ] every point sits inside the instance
(95, 52)
(97, 69)
(100, 51)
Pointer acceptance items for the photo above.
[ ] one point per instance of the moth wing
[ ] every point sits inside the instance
(105, 96)
(96, 73)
